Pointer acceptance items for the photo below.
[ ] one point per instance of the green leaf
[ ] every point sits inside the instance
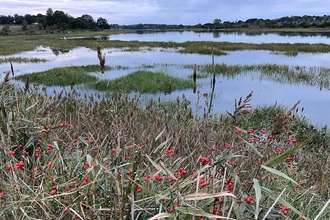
(278, 173)
(163, 215)
(283, 155)
(270, 208)
(322, 210)
(271, 194)
(10, 117)
(240, 210)
(160, 146)
(257, 191)
(202, 196)
(194, 212)
(31, 106)
(160, 134)
(252, 148)
(83, 140)
(89, 158)
(163, 169)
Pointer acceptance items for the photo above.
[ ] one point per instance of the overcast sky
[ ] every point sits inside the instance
(169, 11)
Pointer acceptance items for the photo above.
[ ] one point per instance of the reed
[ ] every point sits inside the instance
(68, 156)
(313, 76)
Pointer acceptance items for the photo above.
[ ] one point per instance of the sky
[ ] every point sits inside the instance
(186, 12)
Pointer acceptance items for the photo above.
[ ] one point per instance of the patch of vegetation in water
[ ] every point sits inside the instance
(27, 42)
(312, 76)
(64, 76)
(22, 60)
(145, 82)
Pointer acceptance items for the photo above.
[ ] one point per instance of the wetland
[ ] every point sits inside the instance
(280, 68)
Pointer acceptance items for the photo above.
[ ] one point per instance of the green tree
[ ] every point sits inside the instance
(5, 30)
(79, 23)
(49, 20)
(60, 17)
(29, 18)
(18, 19)
(102, 23)
(24, 25)
(6, 19)
(89, 19)
(217, 23)
(61, 20)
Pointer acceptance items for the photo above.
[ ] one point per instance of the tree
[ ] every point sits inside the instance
(79, 23)
(102, 23)
(89, 19)
(217, 23)
(24, 25)
(49, 20)
(5, 30)
(29, 18)
(61, 20)
(6, 19)
(60, 17)
(18, 19)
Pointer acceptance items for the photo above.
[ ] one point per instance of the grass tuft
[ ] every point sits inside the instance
(145, 82)
(63, 76)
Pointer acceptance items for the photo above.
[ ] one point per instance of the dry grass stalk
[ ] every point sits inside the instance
(282, 121)
(27, 84)
(11, 68)
(50, 108)
(101, 58)
(241, 108)
(6, 79)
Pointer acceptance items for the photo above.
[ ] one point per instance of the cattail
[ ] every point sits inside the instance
(27, 84)
(101, 59)
(12, 68)
(6, 79)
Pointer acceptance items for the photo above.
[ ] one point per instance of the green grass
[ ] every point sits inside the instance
(22, 60)
(145, 82)
(63, 76)
(285, 74)
(138, 81)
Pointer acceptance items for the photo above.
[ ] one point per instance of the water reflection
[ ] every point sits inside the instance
(216, 34)
(230, 36)
(58, 51)
(87, 38)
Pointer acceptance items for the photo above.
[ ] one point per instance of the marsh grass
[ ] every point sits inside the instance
(139, 81)
(22, 60)
(313, 76)
(63, 157)
(16, 44)
(64, 76)
(145, 82)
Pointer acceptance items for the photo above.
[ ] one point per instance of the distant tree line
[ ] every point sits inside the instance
(55, 20)
(62, 21)
(305, 21)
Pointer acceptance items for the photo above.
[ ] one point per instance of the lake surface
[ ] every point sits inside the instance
(315, 101)
(236, 36)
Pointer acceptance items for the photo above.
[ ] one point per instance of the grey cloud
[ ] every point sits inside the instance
(169, 11)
